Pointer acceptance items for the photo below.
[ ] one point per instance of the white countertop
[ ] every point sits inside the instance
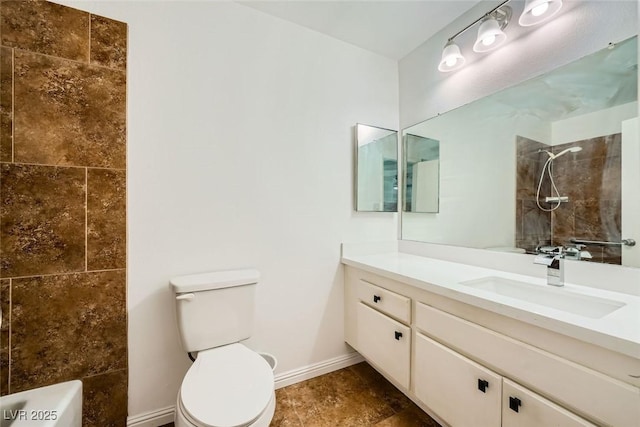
(618, 331)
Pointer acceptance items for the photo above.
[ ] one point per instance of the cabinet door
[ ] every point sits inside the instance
(457, 389)
(384, 342)
(523, 408)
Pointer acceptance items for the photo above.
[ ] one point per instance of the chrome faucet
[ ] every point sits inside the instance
(553, 258)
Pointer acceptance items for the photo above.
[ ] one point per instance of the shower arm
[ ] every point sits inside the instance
(625, 242)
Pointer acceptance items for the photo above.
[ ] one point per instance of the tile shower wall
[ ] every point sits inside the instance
(63, 204)
(591, 178)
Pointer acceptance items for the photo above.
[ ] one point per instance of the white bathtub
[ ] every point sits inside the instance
(58, 405)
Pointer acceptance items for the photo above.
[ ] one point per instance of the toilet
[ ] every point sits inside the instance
(228, 385)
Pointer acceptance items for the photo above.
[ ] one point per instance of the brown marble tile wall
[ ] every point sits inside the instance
(4, 336)
(591, 178)
(6, 104)
(63, 204)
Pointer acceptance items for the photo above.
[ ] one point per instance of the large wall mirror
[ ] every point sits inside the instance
(552, 161)
(376, 178)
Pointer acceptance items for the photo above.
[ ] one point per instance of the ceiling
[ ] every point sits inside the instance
(392, 28)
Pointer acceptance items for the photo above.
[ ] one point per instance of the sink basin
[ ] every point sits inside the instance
(58, 405)
(547, 296)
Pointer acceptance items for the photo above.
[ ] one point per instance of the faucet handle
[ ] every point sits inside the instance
(550, 250)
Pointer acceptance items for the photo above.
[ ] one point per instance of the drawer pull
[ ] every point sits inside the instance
(514, 404)
(376, 298)
(483, 385)
(398, 335)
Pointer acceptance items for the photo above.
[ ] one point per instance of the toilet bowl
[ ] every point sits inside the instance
(228, 386)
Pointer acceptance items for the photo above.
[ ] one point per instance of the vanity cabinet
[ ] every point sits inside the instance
(467, 366)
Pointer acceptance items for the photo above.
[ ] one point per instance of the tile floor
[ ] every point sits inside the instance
(353, 396)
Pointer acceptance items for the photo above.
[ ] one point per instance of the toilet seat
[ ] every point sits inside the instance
(228, 386)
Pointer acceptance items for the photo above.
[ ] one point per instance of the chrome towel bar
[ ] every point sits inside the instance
(626, 242)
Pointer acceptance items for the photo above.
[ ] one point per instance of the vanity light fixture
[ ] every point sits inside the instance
(537, 11)
(491, 30)
(490, 33)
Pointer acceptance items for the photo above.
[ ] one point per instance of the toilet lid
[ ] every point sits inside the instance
(227, 386)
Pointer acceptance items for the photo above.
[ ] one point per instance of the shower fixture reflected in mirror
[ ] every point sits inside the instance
(548, 167)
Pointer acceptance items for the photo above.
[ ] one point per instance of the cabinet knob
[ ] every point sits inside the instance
(398, 335)
(483, 385)
(376, 298)
(514, 404)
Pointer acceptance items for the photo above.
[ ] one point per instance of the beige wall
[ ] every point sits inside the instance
(63, 204)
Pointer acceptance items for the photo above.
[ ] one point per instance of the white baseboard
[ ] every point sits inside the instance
(165, 415)
(311, 371)
(155, 418)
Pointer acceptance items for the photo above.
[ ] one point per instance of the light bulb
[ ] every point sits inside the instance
(490, 35)
(488, 41)
(452, 59)
(540, 9)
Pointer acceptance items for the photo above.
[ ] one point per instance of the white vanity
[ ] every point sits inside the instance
(480, 347)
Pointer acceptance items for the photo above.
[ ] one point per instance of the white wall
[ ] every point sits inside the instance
(240, 154)
(592, 125)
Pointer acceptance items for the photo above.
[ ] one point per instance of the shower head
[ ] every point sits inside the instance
(555, 156)
(568, 150)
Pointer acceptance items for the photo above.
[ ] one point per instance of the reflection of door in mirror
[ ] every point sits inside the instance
(422, 174)
(376, 169)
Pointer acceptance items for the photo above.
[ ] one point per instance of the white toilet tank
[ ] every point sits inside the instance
(215, 309)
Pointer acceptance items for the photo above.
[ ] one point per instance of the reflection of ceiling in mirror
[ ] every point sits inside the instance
(602, 80)
(367, 134)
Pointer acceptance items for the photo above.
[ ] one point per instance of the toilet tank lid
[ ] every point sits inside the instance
(214, 280)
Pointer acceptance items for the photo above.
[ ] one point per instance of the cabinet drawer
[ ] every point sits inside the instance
(524, 408)
(457, 389)
(385, 343)
(589, 393)
(395, 305)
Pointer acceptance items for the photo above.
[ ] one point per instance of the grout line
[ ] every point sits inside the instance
(68, 59)
(66, 166)
(67, 273)
(13, 106)
(110, 371)
(10, 333)
(86, 219)
(89, 52)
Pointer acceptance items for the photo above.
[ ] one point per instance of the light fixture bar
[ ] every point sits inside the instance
(491, 33)
(478, 20)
